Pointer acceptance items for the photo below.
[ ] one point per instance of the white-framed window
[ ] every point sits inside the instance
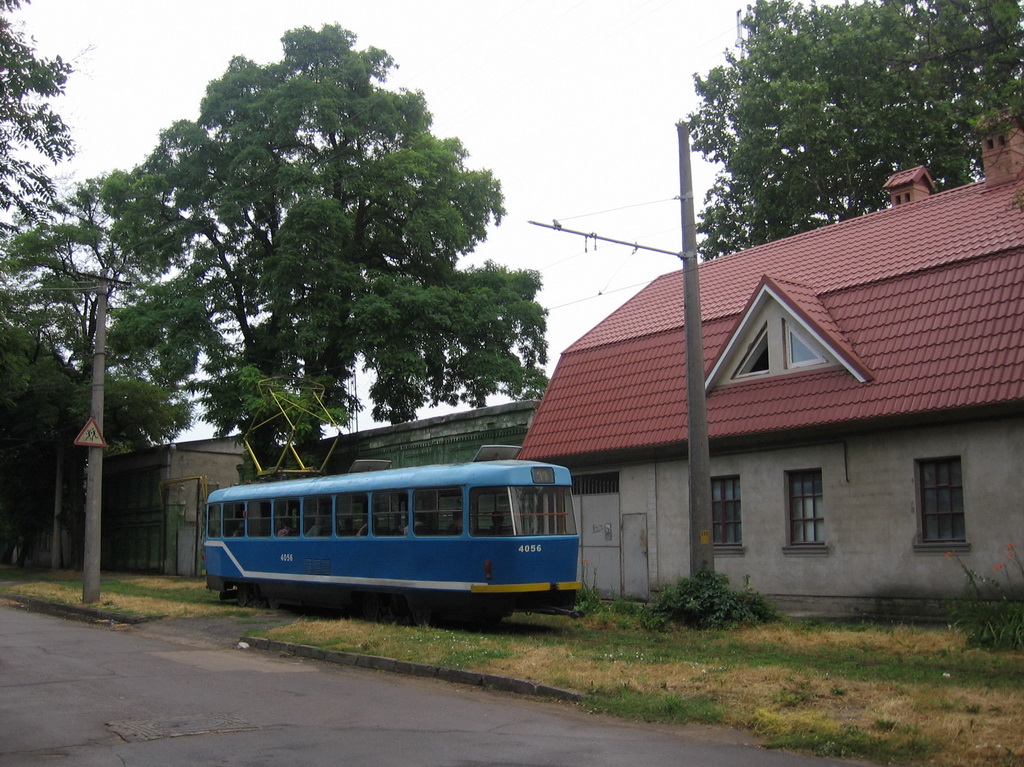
(800, 352)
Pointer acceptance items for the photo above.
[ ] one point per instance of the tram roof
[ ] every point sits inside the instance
(505, 472)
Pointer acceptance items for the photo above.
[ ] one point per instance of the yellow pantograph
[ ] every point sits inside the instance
(290, 405)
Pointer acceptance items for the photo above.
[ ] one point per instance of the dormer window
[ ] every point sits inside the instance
(778, 347)
(784, 329)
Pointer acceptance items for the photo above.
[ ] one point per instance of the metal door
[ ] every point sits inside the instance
(635, 580)
(599, 543)
(186, 550)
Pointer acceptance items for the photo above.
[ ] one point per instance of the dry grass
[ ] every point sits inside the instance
(160, 596)
(890, 639)
(966, 725)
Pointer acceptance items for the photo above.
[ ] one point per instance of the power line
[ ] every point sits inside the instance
(599, 295)
(621, 207)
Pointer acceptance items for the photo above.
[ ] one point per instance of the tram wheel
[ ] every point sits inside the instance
(371, 606)
(244, 595)
(421, 617)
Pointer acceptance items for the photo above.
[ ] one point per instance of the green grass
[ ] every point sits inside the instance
(826, 739)
(860, 664)
(193, 594)
(11, 573)
(701, 709)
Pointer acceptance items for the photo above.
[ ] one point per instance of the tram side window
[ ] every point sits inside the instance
(316, 516)
(490, 511)
(234, 520)
(258, 517)
(286, 517)
(350, 515)
(390, 513)
(213, 517)
(437, 511)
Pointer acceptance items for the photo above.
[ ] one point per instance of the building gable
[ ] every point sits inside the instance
(784, 329)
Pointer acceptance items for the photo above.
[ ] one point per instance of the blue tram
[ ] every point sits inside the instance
(475, 541)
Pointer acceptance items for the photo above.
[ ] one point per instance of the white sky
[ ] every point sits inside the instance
(572, 104)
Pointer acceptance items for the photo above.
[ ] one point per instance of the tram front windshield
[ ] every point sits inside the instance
(515, 511)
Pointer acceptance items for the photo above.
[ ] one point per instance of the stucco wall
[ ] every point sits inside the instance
(872, 553)
(152, 500)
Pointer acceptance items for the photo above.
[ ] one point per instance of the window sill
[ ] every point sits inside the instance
(806, 550)
(941, 547)
(730, 550)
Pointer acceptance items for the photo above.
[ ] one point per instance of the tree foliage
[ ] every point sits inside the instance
(824, 103)
(53, 267)
(30, 131)
(47, 343)
(312, 224)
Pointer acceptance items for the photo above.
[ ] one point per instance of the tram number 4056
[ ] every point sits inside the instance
(529, 548)
(287, 557)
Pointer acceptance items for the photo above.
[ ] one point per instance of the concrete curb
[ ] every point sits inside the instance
(456, 675)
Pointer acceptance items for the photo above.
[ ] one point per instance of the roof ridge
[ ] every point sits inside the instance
(879, 246)
(824, 230)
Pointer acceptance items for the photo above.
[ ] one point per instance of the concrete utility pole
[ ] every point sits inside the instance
(702, 552)
(58, 499)
(94, 477)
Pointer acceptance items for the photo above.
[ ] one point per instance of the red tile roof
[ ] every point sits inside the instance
(927, 296)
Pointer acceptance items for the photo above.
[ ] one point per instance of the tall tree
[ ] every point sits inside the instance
(30, 131)
(823, 103)
(312, 224)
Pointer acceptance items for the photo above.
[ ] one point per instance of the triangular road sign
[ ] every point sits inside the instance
(90, 435)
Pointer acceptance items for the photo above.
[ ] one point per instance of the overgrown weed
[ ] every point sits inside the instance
(990, 612)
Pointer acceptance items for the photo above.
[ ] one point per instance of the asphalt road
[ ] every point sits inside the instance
(180, 693)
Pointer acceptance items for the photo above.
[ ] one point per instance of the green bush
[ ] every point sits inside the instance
(705, 601)
(994, 625)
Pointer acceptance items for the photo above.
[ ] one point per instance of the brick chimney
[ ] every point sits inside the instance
(909, 185)
(1002, 151)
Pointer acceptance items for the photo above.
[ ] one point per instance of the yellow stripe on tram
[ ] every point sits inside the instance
(498, 588)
